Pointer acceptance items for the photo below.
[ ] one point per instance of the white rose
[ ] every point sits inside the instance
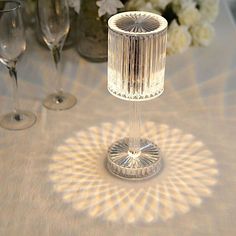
(109, 7)
(74, 4)
(202, 34)
(149, 8)
(189, 15)
(179, 39)
(141, 5)
(209, 9)
(135, 4)
(161, 4)
(181, 4)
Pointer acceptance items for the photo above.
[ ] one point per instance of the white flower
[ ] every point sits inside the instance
(179, 38)
(202, 34)
(135, 4)
(160, 3)
(209, 9)
(74, 4)
(181, 4)
(189, 15)
(141, 5)
(108, 7)
(148, 7)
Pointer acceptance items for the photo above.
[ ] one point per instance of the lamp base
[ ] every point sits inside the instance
(125, 164)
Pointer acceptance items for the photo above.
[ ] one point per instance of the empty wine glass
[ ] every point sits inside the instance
(55, 23)
(12, 46)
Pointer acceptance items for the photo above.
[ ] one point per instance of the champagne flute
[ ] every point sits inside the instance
(55, 23)
(12, 46)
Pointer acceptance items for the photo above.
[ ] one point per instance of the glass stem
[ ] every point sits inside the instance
(134, 132)
(13, 75)
(56, 53)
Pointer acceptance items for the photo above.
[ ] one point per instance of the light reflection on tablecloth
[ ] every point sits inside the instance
(198, 104)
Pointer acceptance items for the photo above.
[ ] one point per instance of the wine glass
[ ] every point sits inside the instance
(136, 67)
(12, 46)
(55, 23)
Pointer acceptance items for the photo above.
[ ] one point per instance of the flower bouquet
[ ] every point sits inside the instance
(190, 21)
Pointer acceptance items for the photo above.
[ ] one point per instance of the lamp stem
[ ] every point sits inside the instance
(134, 129)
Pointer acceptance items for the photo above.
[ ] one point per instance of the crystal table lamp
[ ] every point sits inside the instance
(136, 67)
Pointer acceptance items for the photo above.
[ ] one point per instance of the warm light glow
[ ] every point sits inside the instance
(78, 172)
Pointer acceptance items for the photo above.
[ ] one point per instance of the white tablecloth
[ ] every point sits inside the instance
(52, 176)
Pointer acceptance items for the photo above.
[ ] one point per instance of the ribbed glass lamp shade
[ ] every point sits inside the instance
(136, 55)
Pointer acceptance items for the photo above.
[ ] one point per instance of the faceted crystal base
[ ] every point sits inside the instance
(124, 164)
(60, 101)
(18, 121)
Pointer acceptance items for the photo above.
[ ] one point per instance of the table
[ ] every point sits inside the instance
(53, 179)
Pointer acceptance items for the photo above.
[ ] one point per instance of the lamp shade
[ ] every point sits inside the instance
(136, 55)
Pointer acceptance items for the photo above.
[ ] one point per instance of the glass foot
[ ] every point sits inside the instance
(18, 121)
(124, 164)
(60, 101)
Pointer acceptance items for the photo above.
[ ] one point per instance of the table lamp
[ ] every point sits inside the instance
(136, 67)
